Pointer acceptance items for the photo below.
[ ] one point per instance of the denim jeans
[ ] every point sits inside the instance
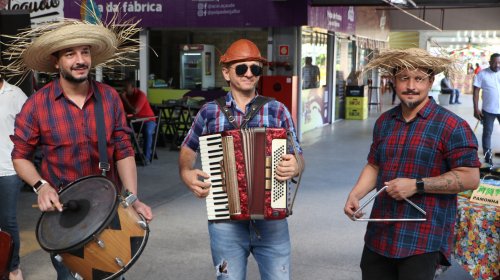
(147, 134)
(63, 272)
(455, 93)
(9, 194)
(268, 241)
(488, 123)
(148, 130)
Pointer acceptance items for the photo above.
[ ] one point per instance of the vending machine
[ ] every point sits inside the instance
(197, 66)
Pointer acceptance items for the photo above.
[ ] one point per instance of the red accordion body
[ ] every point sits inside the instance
(254, 161)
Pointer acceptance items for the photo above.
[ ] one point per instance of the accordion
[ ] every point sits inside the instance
(241, 164)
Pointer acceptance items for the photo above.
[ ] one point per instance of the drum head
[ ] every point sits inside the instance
(90, 203)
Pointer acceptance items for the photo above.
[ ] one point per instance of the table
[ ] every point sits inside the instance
(477, 242)
(175, 119)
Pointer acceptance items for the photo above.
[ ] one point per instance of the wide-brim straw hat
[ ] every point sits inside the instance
(392, 61)
(111, 44)
(39, 55)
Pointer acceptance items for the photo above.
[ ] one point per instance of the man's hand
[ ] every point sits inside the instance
(351, 205)
(144, 210)
(478, 114)
(401, 188)
(287, 168)
(192, 180)
(48, 199)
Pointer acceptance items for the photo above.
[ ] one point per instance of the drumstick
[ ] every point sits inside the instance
(477, 124)
(70, 205)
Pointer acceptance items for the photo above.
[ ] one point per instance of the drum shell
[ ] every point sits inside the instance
(126, 243)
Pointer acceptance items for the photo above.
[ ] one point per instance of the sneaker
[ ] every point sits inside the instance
(488, 157)
(458, 102)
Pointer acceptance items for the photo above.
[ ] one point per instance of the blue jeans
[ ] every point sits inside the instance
(268, 241)
(9, 194)
(488, 123)
(455, 93)
(63, 272)
(147, 135)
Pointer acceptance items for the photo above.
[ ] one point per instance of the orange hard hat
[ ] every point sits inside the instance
(241, 50)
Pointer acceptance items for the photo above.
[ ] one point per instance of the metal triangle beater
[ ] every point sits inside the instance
(388, 220)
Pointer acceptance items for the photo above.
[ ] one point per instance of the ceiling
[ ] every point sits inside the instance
(419, 3)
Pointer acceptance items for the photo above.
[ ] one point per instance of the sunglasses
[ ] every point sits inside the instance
(243, 68)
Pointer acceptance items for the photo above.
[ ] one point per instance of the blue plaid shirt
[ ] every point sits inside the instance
(210, 119)
(433, 143)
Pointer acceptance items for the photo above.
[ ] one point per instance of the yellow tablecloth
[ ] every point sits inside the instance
(477, 243)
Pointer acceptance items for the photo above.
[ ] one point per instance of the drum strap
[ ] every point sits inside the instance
(254, 109)
(101, 132)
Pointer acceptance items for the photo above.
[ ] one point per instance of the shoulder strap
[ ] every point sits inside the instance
(101, 132)
(254, 109)
(221, 102)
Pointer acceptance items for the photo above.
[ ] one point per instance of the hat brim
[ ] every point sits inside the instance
(102, 42)
(413, 58)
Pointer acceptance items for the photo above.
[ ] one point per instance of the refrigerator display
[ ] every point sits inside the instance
(197, 66)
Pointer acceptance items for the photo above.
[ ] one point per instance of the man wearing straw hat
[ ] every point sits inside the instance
(423, 155)
(60, 117)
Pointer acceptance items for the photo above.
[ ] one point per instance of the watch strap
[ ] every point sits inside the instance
(420, 186)
(38, 185)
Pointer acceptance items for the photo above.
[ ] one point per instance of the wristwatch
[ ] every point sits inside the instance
(38, 185)
(420, 186)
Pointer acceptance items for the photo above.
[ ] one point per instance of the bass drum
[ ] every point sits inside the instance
(97, 236)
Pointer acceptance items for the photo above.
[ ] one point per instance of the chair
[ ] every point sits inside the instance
(157, 132)
(185, 113)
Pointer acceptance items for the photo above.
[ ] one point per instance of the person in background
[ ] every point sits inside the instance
(12, 99)
(233, 241)
(489, 81)
(447, 88)
(310, 74)
(60, 118)
(422, 152)
(477, 69)
(470, 68)
(136, 102)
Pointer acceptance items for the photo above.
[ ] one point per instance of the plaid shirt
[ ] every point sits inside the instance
(210, 119)
(433, 143)
(67, 134)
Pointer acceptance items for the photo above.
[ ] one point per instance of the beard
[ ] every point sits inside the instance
(411, 104)
(72, 79)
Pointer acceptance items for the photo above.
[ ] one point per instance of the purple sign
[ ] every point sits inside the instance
(338, 19)
(202, 13)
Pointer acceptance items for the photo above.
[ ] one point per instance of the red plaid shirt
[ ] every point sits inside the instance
(67, 134)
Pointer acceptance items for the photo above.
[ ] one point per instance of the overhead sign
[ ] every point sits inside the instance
(201, 13)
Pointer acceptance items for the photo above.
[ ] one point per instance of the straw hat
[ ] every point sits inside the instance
(102, 42)
(392, 60)
(33, 49)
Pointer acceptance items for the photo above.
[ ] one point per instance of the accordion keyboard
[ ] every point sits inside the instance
(211, 156)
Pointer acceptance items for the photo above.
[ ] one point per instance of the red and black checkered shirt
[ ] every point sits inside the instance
(433, 143)
(67, 135)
